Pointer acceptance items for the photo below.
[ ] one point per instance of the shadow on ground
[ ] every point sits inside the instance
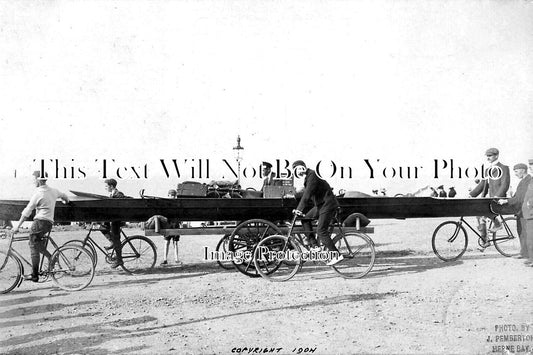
(68, 341)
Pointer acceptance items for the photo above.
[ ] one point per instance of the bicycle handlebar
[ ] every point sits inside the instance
(297, 213)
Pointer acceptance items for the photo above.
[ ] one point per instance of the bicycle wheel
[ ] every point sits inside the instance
(222, 249)
(449, 241)
(277, 258)
(358, 252)
(508, 244)
(138, 254)
(88, 246)
(10, 272)
(71, 268)
(243, 241)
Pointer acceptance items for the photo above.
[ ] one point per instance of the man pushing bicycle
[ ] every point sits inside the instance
(44, 202)
(319, 191)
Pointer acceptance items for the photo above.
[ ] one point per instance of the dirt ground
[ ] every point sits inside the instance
(410, 303)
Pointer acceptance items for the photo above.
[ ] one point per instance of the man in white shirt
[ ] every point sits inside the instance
(43, 202)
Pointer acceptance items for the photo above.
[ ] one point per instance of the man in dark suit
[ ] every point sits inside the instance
(495, 184)
(497, 178)
(325, 204)
(516, 202)
(527, 212)
(111, 230)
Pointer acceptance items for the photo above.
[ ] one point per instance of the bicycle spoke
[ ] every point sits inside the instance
(449, 241)
(138, 254)
(72, 268)
(358, 252)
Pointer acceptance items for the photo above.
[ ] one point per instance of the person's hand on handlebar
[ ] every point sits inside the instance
(298, 213)
(502, 201)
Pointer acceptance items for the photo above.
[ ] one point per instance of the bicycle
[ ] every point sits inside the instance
(450, 239)
(223, 247)
(70, 267)
(138, 252)
(280, 257)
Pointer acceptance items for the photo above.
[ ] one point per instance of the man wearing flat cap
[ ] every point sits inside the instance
(495, 184)
(111, 230)
(527, 212)
(43, 202)
(319, 191)
(268, 174)
(516, 202)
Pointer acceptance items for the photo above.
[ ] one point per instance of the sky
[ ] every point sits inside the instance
(402, 82)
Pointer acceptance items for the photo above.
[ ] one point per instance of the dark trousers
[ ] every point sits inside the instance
(38, 240)
(521, 229)
(528, 232)
(112, 233)
(322, 229)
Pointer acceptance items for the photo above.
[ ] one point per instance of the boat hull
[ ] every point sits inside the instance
(215, 209)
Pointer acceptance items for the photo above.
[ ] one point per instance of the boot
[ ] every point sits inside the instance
(118, 259)
(110, 245)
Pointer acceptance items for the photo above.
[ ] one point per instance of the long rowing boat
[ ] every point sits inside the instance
(219, 209)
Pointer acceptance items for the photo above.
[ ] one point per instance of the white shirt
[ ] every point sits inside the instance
(44, 201)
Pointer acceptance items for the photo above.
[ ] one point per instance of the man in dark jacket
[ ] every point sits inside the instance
(527, 212)
(112, 230)
(516, 202)
(325, 205)
(452, 192)
(495, 184)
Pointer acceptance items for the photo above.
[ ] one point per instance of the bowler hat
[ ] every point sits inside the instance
(267, 164)
(520, 166)
(492, 151)
(298, 163)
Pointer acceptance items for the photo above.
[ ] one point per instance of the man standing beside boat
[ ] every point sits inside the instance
(44, 202)
(319, 191)
(516, 202)
(527, 211)
(495, 184)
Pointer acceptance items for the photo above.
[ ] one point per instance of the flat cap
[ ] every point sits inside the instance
(298, 163)
(520, 166)
(492, 151)
(40, 176)
(111, 182)
(267, 164)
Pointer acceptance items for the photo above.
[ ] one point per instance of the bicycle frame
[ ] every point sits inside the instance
(108, 255)
(505, 225)
(335, 224)
(14, 252)
(88, 239)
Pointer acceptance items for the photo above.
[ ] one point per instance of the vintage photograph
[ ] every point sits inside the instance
(266, 177)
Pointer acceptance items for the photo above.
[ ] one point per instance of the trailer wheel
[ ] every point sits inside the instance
(244, 240)
(222, 247)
